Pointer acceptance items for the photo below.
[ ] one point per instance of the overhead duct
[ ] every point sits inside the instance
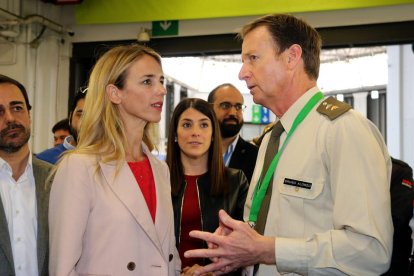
(12, 20)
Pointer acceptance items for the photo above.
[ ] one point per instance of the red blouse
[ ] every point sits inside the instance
(190, 220)
(143, 174)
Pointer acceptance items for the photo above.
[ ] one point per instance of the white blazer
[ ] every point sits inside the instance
(100, 223)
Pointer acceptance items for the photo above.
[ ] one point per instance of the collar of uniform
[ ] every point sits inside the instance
(290, 115)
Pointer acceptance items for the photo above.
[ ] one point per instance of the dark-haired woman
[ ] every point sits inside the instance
(200, 183)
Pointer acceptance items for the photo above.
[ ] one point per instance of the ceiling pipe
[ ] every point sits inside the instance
(15, 20)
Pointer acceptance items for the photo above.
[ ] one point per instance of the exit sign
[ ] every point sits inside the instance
(164, 28)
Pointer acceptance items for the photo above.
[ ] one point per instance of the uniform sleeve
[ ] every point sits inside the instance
(360, 241)
(69, 207)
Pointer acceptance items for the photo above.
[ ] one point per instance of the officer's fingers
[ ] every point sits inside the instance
(228, 223)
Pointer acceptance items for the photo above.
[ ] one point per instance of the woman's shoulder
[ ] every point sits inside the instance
(235, 174)
(157, 163)
(237, 180)
(79, 159)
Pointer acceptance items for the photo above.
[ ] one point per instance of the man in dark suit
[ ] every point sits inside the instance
(228, 105)
(24, 188)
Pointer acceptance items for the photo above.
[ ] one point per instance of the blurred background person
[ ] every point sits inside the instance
(60, 131)
(201, 185)
(110, 207)
(52, 155)
(228, 105)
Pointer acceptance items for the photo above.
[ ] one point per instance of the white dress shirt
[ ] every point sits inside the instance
(229, 152)
(19, 203)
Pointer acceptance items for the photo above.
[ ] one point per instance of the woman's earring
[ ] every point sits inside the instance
(175, 139)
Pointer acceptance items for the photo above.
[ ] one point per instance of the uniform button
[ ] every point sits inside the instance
(131, 266)
(170, 257)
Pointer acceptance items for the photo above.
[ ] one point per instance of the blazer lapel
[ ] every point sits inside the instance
(42, 200)
(125, 187)
(5, 237)
(164, 205)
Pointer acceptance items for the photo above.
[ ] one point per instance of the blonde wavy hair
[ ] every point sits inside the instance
(102, 131)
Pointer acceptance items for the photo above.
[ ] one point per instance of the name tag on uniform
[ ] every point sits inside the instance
(297, 183)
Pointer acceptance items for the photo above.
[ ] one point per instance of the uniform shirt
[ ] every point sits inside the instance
(330, 206)
(19, 203)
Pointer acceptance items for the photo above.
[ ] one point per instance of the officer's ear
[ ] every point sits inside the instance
(294, 55)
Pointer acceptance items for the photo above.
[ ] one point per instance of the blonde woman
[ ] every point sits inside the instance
(110, 206)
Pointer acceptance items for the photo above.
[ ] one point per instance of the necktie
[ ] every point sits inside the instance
(271, 150)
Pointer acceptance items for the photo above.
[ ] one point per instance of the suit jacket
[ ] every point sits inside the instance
(41, 172)
(100, 223)
(244, 157)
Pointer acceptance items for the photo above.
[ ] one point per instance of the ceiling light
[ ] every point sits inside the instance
(143, 35)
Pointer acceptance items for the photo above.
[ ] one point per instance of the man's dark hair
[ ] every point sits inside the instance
(212, 94)
(62, 124)
(6, 79)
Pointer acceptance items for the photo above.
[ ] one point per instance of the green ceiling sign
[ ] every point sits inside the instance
(164, 28)
(125, 11)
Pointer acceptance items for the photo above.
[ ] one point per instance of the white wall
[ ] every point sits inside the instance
(43, 70)
(400, 103)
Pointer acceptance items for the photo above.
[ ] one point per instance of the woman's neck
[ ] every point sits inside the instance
(134, 152)
(194, 166)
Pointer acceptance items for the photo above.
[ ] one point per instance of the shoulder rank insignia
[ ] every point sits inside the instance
(258, 140)
(332, 108)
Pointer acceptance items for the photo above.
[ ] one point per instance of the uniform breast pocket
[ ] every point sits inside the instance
(300, 187)
(295, 204)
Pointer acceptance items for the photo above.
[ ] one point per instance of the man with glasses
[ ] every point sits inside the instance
(228, 105)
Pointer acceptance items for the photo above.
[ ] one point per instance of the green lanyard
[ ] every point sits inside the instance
(261, 186)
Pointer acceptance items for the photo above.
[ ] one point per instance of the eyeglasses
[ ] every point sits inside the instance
(227, 106)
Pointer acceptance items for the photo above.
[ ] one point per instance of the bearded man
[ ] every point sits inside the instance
(228, 105)
(24, 188)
